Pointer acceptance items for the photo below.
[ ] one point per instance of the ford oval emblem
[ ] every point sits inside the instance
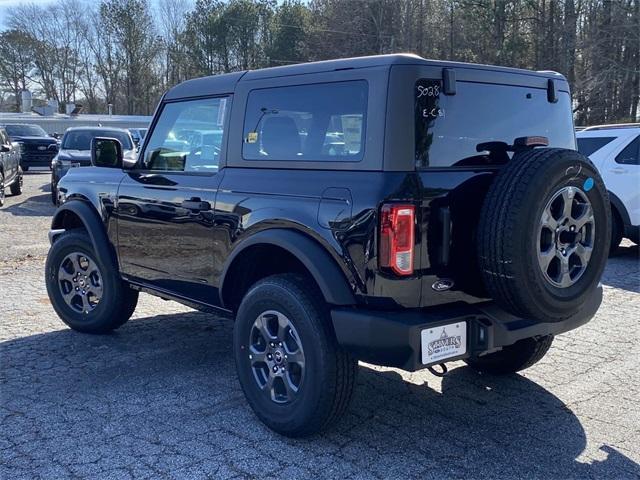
(42, 147)
(443, 285)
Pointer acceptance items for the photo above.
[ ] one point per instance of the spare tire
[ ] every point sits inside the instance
(543, 234)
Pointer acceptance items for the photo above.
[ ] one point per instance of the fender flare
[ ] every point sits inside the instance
(323, 268)
(92, 224)
(620, 208)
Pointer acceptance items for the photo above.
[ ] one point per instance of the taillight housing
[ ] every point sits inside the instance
(397, 242)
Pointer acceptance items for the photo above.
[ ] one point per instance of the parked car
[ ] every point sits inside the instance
(138, 135)
(75, 150)
(10, 170)
(37, 147)
(455, 221)
(615, 150)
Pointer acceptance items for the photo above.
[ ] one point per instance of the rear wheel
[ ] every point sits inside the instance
(295, 376)
(16, 186)
(86, 291)
(513, 358)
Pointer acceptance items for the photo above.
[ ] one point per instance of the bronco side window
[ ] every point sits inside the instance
(319, 122)
(187, 137)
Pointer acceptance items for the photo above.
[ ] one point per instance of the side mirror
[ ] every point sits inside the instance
(106, 152)
(5, 148)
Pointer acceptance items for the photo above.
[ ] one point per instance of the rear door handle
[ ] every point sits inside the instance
(618, 170)
(196, 204)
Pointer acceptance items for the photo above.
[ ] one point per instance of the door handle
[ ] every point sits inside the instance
(196, 204)
(155, 179)
(618, 170)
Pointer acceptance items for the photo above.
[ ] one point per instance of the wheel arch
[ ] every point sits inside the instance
(618, 207)
(76, 214)
(295, 252)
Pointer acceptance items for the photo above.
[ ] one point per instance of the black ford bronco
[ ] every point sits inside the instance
(390, 209)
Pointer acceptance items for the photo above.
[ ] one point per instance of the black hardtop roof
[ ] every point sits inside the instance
(226, 83)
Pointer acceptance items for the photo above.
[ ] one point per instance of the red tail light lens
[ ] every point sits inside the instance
(397, 238)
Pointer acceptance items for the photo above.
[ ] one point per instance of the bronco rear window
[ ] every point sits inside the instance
(448, 128)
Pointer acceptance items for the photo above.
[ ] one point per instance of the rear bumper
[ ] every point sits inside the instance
(393, 338)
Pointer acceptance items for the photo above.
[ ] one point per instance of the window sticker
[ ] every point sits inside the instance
(588, 184)
(221, 111)
(252, 137)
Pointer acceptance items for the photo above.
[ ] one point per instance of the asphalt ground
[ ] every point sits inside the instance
(159, 397)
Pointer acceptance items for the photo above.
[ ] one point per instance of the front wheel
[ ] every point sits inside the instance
(513, 358)
(295, 376)
(86, 291)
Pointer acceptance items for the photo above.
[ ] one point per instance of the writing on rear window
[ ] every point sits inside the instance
(449, 129)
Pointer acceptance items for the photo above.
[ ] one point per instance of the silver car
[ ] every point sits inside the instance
(75, 151)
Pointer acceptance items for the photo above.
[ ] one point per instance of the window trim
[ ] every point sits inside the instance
(363, 138)
(156, 117)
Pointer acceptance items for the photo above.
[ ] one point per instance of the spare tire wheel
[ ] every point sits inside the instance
(543, 235)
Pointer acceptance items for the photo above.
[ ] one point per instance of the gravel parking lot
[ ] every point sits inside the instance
(159, 398)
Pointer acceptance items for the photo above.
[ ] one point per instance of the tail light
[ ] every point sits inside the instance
(397, 238)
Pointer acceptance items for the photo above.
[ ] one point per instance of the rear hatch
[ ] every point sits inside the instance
(455, 111)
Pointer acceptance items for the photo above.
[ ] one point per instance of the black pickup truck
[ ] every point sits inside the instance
(391, 209)
(37, 147)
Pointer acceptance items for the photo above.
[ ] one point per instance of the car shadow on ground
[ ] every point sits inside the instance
(32, 206)
(160, 397)
(623, 268)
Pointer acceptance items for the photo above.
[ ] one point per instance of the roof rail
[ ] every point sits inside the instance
(612, 126)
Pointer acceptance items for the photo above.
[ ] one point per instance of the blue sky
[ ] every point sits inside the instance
(7, 4)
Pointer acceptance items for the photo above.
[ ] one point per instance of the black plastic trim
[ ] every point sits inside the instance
(449, 81)
(552, 95)
(317, 261)
(620, 208)
(92, 223)
(392, 338)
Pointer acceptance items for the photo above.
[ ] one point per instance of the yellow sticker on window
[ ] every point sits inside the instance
(252, 137)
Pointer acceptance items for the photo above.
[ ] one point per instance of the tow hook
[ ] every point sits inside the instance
(440, 373)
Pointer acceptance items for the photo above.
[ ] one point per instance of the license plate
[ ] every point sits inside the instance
(444, 341)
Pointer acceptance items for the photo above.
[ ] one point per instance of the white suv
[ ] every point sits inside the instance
(615, 151)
